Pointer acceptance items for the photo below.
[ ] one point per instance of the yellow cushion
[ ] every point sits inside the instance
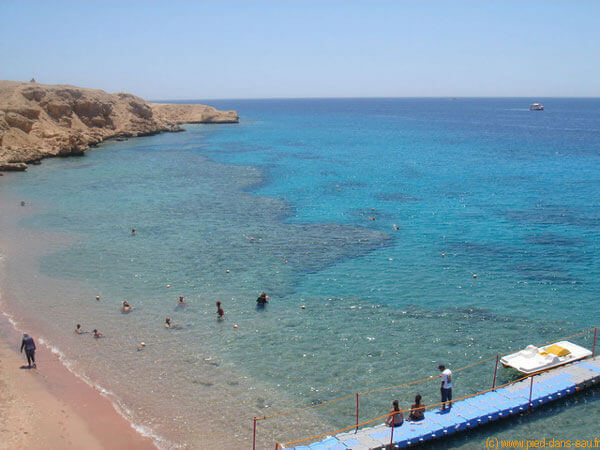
(556, 350)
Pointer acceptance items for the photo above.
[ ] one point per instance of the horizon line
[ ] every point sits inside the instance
(445, 97)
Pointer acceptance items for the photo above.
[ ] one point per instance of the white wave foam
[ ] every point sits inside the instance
(11, 320)
(159, 441)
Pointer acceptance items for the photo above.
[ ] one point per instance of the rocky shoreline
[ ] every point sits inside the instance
(39, 121)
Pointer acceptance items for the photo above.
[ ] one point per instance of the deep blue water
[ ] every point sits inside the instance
(415, 231)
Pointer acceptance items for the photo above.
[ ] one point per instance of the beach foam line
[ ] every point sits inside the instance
(159, 441)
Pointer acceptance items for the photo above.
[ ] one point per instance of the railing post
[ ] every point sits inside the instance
(254, 436)
(495, 371)
(392, 433)
(530, 392)
(356, 431)
(594, 345)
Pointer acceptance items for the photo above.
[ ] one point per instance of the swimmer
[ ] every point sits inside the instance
(262, 299)
(133, 231)
(78, 329)
(22, 202)
(97, 334)
(126, 307)
(141, 347)
(396, 227)
(180, 302)
(172, 325)
(220, 312)
(97, 297)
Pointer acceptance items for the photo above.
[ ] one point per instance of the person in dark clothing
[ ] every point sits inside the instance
(263, 299)
(29, 346)
(220, 312)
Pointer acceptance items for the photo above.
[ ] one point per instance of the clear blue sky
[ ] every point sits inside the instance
(304, 48)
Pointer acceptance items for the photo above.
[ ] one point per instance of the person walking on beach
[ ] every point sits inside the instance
(29, 346)
(446, 387)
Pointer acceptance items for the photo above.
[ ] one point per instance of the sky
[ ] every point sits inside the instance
(268, 49)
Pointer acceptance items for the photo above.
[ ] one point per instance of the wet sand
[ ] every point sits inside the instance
(49, 407)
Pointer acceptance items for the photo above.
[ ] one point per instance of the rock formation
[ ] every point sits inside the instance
(38, 120)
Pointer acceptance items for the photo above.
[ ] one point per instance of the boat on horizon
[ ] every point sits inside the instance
(536, 107)
(533, 359)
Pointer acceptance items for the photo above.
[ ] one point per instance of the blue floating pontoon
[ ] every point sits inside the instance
(473, 411)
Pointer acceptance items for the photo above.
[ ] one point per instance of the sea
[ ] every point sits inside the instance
(391, 236)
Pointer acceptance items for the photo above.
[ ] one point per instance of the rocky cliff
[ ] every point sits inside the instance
(38, 120)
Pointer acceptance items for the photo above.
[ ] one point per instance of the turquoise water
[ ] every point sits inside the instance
(375, 214)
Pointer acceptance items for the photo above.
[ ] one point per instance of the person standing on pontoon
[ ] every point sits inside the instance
(446, 387)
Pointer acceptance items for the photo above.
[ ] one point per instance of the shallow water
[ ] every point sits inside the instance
(300, 200)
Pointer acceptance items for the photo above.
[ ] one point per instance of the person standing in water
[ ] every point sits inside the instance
(262, 299)
(29, 346)
(220, 312)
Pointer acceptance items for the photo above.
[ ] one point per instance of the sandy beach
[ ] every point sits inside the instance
(49, 407)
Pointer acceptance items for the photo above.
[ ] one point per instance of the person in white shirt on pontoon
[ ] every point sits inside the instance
(446, 387)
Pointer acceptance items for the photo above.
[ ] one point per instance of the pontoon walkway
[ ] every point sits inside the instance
(474, 411)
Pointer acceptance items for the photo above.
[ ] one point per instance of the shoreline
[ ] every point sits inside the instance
(56, 404)
(20, 248)
(50, 404)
